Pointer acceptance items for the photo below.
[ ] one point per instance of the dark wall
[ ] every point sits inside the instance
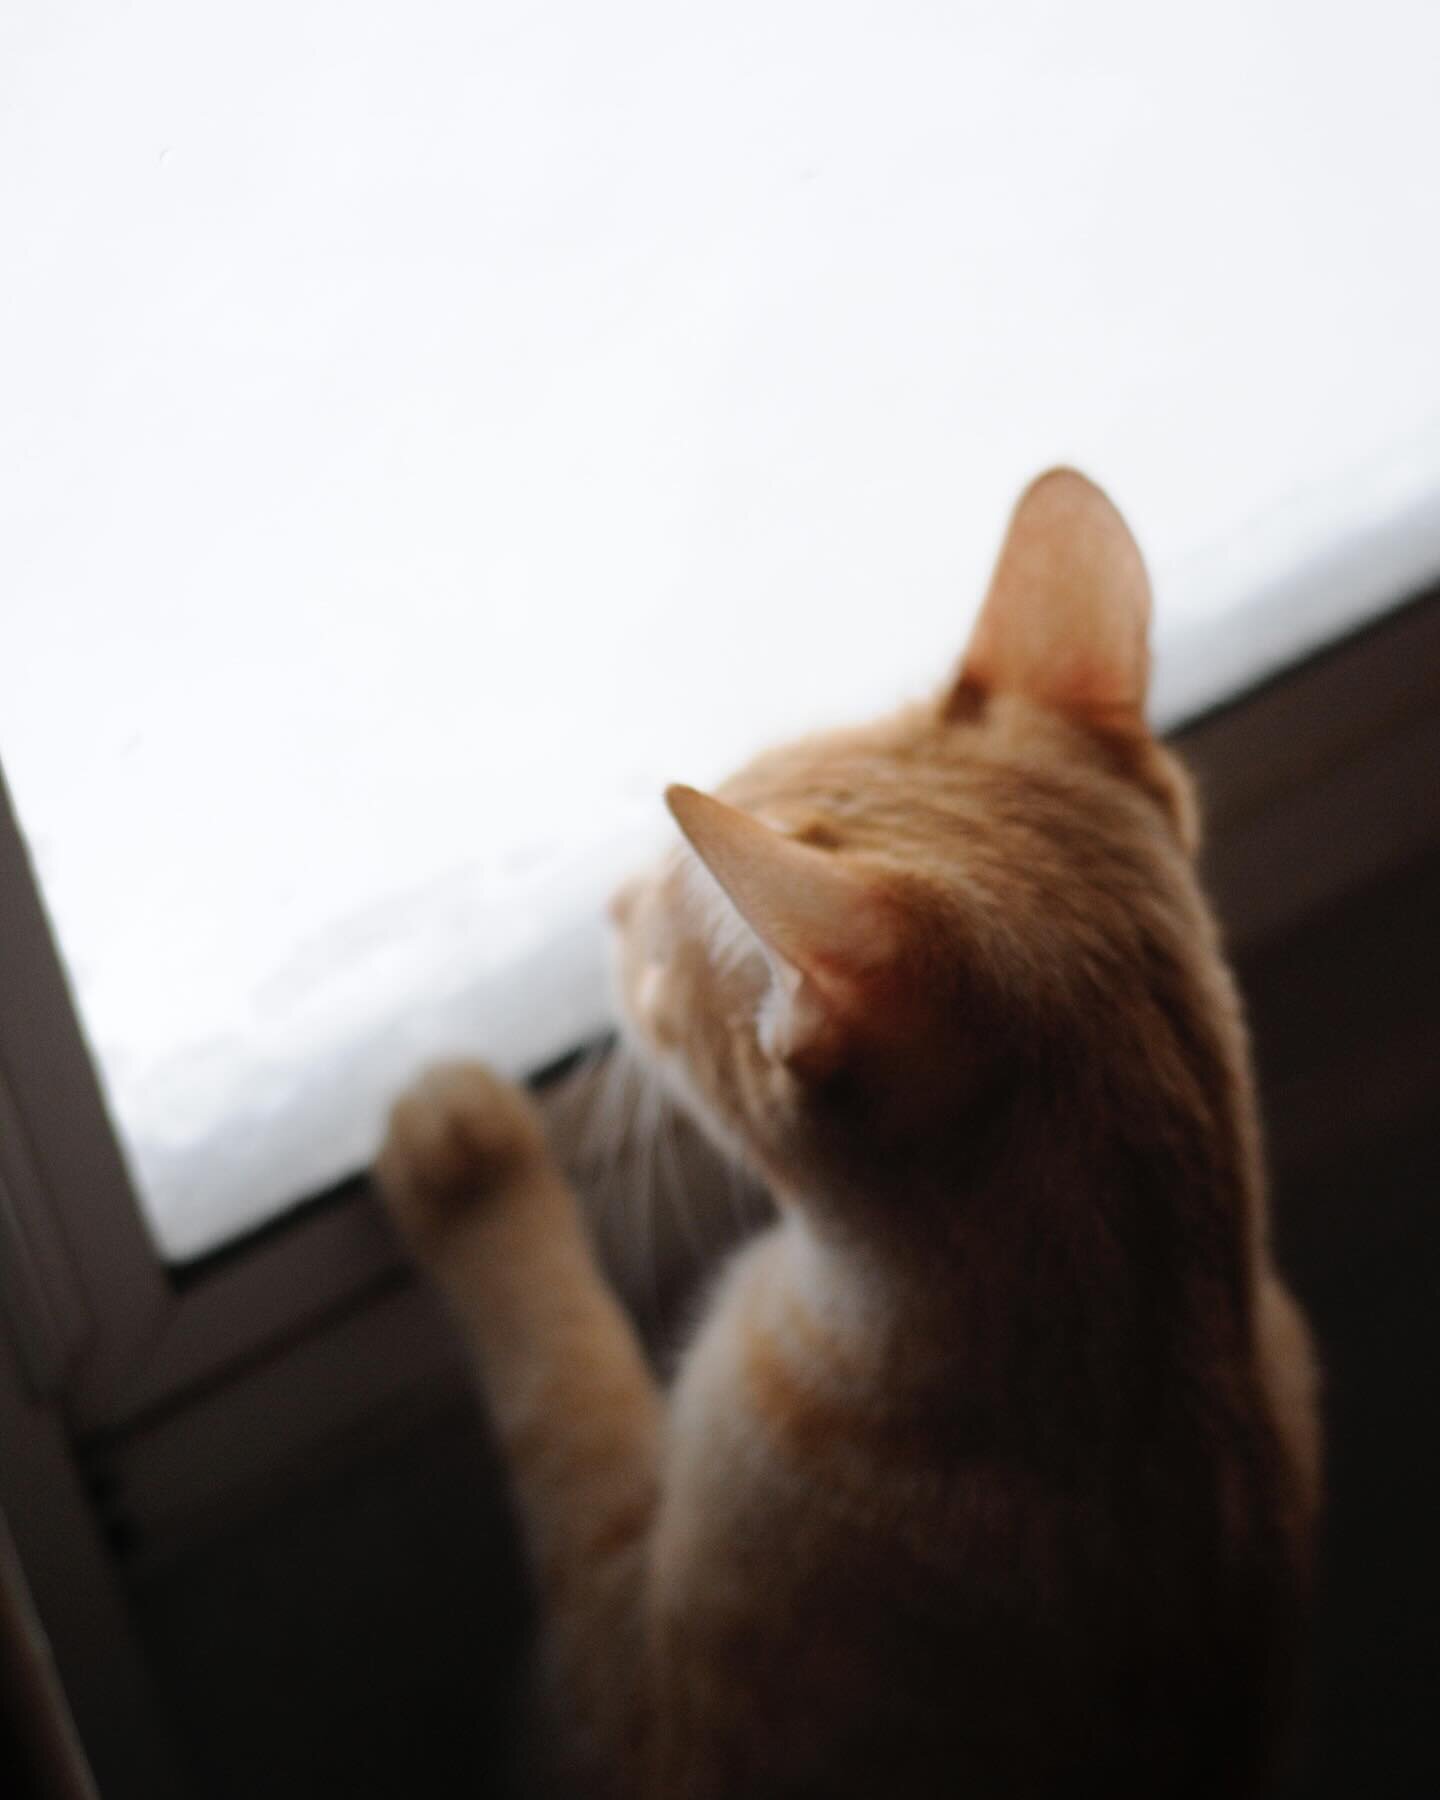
(1347, 1024)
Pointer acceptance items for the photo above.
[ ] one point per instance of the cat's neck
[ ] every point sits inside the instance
(1088, 1294)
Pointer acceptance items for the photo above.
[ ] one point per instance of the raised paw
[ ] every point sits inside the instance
(457, 1140)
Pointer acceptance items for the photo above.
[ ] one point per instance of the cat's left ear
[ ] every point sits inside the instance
(827, 931)
(1066, 621)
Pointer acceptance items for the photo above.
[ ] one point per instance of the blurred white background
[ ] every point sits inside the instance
(426, 430)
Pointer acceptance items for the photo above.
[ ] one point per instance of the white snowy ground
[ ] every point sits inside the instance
(426, 429)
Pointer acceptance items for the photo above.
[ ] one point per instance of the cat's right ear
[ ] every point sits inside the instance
(1067, 617)
(825, 927)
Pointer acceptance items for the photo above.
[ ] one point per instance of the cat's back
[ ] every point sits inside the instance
(854, 1595)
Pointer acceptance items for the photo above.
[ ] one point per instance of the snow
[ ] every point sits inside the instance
(426, 431)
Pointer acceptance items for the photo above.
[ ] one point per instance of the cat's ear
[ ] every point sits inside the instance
(827, 931)
(1066, 621)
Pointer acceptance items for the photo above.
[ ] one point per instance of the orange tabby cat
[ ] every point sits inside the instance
(993, 1465)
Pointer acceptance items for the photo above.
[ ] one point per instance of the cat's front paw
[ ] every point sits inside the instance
(457, 1141)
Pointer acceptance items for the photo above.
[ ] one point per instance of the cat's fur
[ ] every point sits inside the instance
(992, 1468)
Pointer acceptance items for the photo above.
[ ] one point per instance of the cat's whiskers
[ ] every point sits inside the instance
(604, 1123)
(639, 1189)
(668, 1162)
(735, 1193)
(577, 1105)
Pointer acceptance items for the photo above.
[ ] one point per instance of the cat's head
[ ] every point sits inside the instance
(869, 941)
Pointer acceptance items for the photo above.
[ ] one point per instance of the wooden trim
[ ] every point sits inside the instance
(252, 1304)
(1324, 778)
(33, 1707)
(39, 1291)
(186, 1471)
(115, 1296)
(78, 1600)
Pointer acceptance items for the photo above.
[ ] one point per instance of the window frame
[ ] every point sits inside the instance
(1297, 775)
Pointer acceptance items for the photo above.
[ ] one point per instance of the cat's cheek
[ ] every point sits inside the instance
(636, 985)
(649, 992)
(653, 1007)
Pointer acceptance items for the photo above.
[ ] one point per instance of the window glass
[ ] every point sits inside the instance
(426, 430)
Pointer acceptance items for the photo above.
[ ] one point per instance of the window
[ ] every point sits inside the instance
(425, 434)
